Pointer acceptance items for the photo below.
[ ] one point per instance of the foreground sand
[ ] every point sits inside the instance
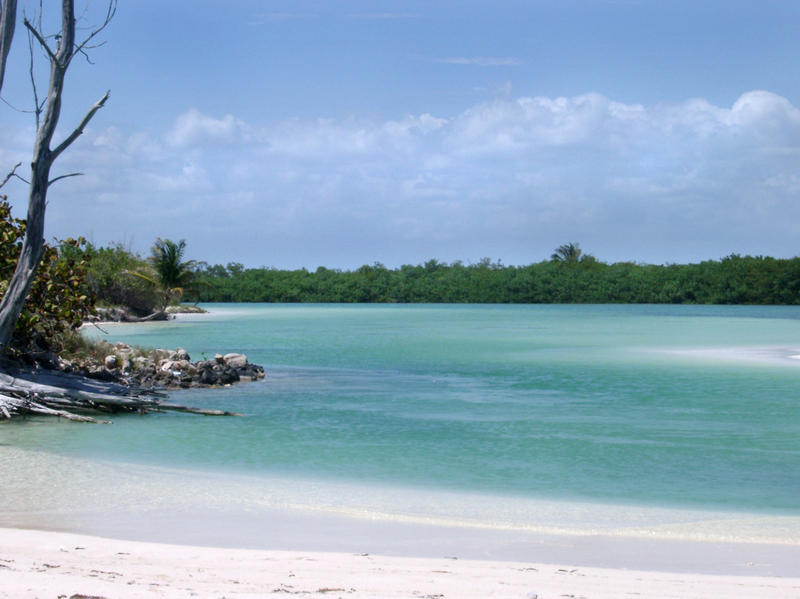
(51, 564)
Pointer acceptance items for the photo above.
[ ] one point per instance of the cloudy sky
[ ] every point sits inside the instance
(343, 132)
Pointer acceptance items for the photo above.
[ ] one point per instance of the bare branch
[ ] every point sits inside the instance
(16, 176)
(10, 174)
(79, 129)
(110, 12)
(40, 39)
(14, 108)
(37, 107)
(49, 183)
(86, 55)
(8, 21)
(99, 328)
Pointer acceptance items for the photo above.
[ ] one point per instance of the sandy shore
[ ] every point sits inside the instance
(52, 564)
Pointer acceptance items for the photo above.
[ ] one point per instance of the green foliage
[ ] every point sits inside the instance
(167, 260)
(734, 279)
(569, 253)
(172, 273)
(122, 278)
(59, 298)
(112, 286)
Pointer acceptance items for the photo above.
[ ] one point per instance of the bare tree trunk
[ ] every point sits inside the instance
(8, 22)
(29, 258)
(43, 158)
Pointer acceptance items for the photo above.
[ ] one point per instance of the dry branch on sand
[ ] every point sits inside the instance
(28, 391)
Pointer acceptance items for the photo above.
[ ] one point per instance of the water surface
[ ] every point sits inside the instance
(658, 416)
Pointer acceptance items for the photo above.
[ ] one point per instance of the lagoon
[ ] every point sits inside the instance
(676, 422)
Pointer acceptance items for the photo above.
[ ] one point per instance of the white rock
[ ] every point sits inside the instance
(235, 360)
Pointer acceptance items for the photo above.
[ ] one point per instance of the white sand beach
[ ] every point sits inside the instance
(192, 534)
(38, 564)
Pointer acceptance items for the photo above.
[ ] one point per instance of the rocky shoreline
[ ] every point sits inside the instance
(98, 376)
(164, 368)
(159, 368)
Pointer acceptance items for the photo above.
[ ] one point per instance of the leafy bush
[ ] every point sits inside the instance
(111, 283)
(59, 298)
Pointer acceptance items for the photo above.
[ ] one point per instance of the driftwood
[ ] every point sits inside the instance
(54, 393)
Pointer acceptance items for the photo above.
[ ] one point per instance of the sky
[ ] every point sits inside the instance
(298, 134)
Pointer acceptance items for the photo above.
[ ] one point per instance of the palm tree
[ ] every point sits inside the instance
(170, 275)
(173, 275)
(569, 253)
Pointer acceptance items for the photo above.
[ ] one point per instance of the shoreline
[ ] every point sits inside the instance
(141, 503)
(37, 563)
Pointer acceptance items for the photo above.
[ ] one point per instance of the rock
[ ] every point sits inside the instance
(208, 376)
(164, 368)
(235, 360)
(228, 376)
(179, 354)
(143, 364)
(47, 359)
(103, 374)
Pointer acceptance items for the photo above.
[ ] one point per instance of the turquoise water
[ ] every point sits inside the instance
(674, 407)
(645, 422)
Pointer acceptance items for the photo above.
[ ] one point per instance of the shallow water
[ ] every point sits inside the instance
(614, 419)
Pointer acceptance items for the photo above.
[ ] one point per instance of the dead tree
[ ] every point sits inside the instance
(47, 115)
(34, 391)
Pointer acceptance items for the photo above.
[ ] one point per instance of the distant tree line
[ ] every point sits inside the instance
(571, 277)
(114, 277)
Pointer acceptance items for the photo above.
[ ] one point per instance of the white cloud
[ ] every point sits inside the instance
(192, 128)
(491, 180)
(481, 61)
(110, 137)
(411, 125)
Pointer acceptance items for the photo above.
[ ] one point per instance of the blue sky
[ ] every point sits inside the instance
(298, 134)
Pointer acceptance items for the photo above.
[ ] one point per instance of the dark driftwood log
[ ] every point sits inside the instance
(204, 412)
(60, 394)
